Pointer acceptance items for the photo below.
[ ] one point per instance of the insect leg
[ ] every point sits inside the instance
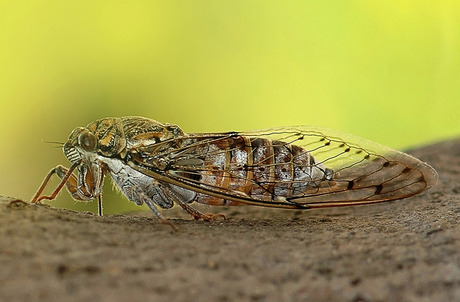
(194, 212)
(67, 178)
(145, 199)
(100, 210)
(160, 217)
(198, 215)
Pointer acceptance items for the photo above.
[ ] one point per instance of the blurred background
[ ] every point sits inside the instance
(386, 71)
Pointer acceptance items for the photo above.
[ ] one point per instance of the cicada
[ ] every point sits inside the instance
(292, 167)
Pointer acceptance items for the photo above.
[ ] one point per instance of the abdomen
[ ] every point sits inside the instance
(255, 167)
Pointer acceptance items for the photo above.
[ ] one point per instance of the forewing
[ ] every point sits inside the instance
(363, 171)
(355, 170)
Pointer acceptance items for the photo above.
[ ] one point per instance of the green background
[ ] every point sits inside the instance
(385, 70)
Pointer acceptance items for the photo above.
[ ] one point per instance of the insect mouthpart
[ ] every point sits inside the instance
(71, 153)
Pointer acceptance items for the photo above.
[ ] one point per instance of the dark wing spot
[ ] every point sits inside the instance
(378, 189)
(350, 185)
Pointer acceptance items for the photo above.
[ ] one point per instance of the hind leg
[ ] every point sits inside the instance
(192, 211)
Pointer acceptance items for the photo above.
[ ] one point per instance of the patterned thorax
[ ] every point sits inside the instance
(112, 137)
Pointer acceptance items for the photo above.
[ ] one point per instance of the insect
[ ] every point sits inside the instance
(293, 167)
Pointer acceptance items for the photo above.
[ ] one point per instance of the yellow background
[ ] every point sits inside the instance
(385, 70)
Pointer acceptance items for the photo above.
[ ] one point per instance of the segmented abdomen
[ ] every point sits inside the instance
(257, 167)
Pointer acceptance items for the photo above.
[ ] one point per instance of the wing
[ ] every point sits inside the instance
(294, 167)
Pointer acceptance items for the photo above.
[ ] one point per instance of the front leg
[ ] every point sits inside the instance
(69, 179)
(66, 176)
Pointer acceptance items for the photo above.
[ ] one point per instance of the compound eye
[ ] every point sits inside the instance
(87, 141)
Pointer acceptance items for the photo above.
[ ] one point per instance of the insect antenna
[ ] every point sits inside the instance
(58, 144)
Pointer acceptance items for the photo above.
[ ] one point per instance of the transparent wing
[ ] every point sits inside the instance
(343, 169)
(363, 171)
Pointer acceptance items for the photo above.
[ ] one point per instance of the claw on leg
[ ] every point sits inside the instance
(167, 222)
